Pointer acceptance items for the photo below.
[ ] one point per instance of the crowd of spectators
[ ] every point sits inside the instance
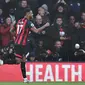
(56, 43)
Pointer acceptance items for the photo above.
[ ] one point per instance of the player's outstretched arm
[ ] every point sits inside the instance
(34, 29)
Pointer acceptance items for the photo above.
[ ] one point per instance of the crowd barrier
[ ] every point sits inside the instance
(44, 72)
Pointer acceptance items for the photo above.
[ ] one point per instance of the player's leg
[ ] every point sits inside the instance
(23, 69)
(20, 51)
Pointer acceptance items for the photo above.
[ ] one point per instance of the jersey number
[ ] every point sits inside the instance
(19, 28)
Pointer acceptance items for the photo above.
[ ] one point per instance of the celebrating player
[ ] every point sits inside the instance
(23, 27)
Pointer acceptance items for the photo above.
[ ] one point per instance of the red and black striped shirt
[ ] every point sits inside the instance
(22, 31)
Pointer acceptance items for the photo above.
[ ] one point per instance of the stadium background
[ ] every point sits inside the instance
(47, 38)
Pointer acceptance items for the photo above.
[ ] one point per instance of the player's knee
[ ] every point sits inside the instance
(24, 59)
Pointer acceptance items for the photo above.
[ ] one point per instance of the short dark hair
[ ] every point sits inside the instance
(27, 10)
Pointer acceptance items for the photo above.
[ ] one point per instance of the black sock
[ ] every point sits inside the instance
(9, 61)
(23, 69)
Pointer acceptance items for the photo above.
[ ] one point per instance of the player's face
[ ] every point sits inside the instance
(29, 15)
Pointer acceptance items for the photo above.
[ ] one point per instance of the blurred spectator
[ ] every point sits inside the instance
(82, 5)
(12, 14)
(41, 35)
(82, 19)
(9, 4)
(5, 32)
(75, 7)
(60, 10)
(79, 53)
(31, 57)
(7, 54)
(19, 13)
(58, 53)
(63, 36)
(43, 14)
(76, 35)
(40, 51)
(1, 22)
(35, 37)
(49, 3)
(46, 9)
(61, 29)
(82, 24)
(72, 20)
(71, 29)
(71, 24)
(33, 5)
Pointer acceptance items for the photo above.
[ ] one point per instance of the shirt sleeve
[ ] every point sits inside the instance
(30, 25)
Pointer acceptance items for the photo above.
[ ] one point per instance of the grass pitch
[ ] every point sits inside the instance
(56, 83)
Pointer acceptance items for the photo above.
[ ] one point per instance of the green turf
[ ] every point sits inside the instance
(58, 83)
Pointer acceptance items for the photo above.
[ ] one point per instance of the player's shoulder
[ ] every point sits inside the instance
(30, 23)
